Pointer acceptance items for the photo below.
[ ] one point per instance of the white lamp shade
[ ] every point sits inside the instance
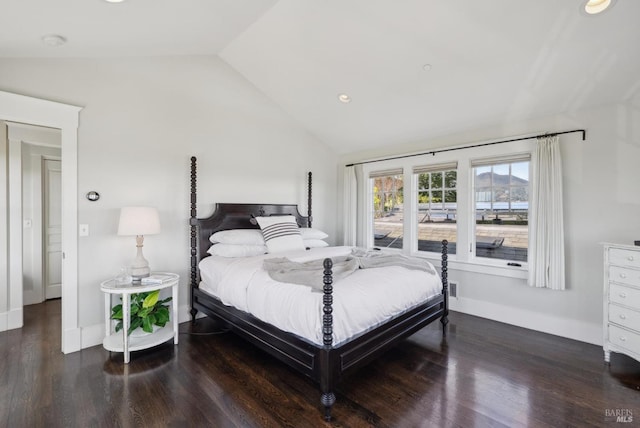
(139, 221)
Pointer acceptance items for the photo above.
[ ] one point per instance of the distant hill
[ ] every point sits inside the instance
(500, 185)
(484, 180)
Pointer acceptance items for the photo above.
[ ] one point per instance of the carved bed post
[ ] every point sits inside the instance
(445, 286)
(310, 217)
(194, 237)
(327, 369)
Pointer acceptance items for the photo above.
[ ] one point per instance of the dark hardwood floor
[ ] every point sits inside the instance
(484, 374)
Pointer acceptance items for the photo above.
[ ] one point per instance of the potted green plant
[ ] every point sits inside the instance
(146, 311)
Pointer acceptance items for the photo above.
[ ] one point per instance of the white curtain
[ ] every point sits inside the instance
(352, 194)
(546, 229)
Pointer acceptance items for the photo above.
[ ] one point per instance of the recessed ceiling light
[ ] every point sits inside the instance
(53, 40)
(344, 98)
(426, 67)
(596, 6)
(114, 1)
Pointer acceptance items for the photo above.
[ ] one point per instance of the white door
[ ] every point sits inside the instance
(52, 228)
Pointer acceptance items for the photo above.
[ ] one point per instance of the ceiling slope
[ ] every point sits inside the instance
(96, 28)
(491, 63)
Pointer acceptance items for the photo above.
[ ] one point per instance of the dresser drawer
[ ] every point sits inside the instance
(623, 257)
(624, 338)
(624, 317)
(624, 295)
(624, 275)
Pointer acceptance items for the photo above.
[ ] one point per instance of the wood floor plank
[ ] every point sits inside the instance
(484, 374)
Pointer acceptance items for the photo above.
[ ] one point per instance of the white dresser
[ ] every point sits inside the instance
(621, 300)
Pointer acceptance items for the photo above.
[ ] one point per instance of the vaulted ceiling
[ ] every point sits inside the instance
(413, 69)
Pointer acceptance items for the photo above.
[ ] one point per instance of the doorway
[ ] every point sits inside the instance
(23, 109)
(40, 172)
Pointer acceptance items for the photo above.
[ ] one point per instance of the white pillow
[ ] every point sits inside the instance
(281, 233)
(238, 237)
(233, 250)
(314, 243)
(310, 233)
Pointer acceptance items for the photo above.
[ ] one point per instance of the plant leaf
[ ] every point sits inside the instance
(146, 325)
(151, 299)
(116, 312)
(134, 324)
(143, 313)
(162, 316)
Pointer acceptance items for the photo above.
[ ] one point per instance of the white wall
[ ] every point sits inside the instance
(142, 120)
(602, 204)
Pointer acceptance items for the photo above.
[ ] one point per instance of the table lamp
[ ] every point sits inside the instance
(139, 221)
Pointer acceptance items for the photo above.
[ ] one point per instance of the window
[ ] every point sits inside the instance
(501, 191)
(436, 206)
(476, 198)
(387, 210)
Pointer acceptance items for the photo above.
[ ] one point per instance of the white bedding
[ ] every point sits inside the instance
(362, 300)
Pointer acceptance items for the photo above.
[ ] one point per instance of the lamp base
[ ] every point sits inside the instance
(137, 273)
(140, 266)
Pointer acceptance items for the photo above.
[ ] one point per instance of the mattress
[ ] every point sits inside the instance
(362, 300)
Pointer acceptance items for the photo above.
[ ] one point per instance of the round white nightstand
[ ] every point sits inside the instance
(121, 341)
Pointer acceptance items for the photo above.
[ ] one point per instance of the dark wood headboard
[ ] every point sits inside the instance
(232, 216)
(240, 216)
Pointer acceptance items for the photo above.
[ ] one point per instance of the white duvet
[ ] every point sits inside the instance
(362, 300)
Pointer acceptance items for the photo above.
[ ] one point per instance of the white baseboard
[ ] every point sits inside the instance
(11, 319)
(30, 297)
(564, 327)
(92, 335)
(14, 319)
(72, 340)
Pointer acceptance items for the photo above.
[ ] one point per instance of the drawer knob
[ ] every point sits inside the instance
(623, 275)
(623, 339)
(630, 258)
(623, 295)
(623, 317)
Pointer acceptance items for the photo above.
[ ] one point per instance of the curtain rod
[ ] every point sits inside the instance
(433, 152)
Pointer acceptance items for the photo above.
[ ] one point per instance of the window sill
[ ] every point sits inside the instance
(520, 272)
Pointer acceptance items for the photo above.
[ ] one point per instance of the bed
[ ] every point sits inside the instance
(326, 359)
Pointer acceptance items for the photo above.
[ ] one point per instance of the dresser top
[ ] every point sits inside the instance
(623, 246)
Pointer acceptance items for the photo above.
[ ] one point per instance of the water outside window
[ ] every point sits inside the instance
(502, 210)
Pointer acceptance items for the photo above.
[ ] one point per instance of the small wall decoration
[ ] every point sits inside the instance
(93, 196)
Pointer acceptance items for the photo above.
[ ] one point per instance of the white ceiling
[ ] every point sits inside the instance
(95, 28)
(492, 62)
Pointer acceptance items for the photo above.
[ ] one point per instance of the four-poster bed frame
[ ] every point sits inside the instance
(325, 364)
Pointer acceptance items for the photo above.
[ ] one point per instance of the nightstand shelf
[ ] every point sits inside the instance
(120, 341)
(114, 342)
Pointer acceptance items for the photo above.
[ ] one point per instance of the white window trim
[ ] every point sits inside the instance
(378, 169)
(474, 162)
(463, 260)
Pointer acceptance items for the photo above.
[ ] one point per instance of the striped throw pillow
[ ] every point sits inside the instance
(281, 233)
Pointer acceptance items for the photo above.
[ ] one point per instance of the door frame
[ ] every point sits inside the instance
(24, 109)
(35, 142)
